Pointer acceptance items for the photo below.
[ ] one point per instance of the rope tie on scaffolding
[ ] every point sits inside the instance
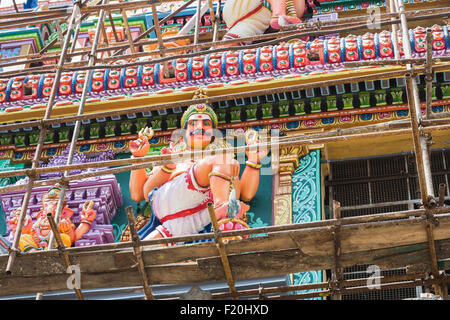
(31, 173)
(431, 218)
(64, 182)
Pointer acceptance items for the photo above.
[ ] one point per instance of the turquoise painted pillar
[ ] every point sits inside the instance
(307, 203)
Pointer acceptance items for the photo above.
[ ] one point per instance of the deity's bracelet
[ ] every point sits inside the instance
(167, 170)
(253, 165)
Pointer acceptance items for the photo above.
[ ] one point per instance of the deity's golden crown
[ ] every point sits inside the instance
(202, 108)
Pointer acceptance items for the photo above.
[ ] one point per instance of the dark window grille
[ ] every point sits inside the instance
(379, 185)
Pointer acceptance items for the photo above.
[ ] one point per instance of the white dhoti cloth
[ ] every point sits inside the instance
(181, 205)
(246, 18)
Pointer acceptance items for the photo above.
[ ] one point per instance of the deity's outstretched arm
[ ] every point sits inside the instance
(142, 183)
(249, 181)
(136, 186)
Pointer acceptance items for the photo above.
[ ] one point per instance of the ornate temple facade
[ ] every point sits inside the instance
(334, 86)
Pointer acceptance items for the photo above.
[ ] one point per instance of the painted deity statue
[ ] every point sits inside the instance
(178, 193)
(246, 18)
(36, 236)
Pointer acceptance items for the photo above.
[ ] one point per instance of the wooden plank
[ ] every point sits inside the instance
(11, 285)
(47, 263)
(311, 241)
(389, 243)
(244, 266)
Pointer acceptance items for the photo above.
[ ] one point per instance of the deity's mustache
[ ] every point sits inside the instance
(200, 131)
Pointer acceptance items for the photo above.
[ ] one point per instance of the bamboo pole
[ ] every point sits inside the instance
(39, 147)
(429, 225)
(62, 252)
(222, 251)
(151, 161)
(355, 290)
(64, 184)
(321, 285)
(338, 271)
(442, 187)
(75, 38)
(152, 28)
(391, 8)
(429, 73)
(5, 25)
(197, 22)
(123, 45)
(216, 19)
(279, 37)
(161, 48)
(403, 61)
(417, 214)
(77, 127)
(127, 30)
(221, 46)
(138, 254)
(112, 7)
(183, 103)
(420, 142)
(44, 255)
(15, 6)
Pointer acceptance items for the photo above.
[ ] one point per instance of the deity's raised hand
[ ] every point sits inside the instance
(65, 226)
(173, 148)
(252, 137)
(140, 146)
(88, 214)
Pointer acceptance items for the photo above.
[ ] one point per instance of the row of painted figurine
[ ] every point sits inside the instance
(86, 217)
(244, 62)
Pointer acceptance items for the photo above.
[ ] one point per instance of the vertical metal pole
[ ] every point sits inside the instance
(39, 147)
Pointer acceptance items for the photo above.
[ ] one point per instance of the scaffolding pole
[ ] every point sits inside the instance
(220, 46)
(421, 140)
(35, 163)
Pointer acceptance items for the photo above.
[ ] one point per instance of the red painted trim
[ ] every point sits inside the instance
(184, 213)
(250, 13)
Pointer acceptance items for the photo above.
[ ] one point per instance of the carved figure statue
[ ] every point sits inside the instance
(36, 236)
(178, 193)
(246, 18)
